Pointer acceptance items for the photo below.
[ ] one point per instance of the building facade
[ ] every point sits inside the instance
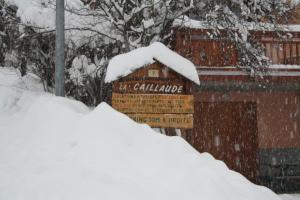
(251, 123)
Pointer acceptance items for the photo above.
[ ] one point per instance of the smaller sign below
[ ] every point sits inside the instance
(184, 121)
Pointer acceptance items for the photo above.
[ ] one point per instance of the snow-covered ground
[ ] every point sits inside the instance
(290, 196)
(55, 148)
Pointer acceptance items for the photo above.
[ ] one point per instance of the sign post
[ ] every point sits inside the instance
(59, 50)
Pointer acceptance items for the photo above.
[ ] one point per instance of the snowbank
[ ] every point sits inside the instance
(124, 64)
(12, 85)
(290, 196)
(56, 148)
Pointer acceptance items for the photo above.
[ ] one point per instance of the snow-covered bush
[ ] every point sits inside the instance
(83, 70)
(86, 80)
(8, 33)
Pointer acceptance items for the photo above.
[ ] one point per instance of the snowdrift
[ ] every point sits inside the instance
(56, 148)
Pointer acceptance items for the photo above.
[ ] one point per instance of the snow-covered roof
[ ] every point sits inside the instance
(124, 64)
(187, 22)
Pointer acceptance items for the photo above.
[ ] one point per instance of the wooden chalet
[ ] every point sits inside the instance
(251, 123)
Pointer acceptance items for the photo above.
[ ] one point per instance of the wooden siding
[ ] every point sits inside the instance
(283, 52)
(228, 130)
(203, 51)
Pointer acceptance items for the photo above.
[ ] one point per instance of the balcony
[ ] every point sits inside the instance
(220, 53)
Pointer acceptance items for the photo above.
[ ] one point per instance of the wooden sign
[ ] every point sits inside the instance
(155, 95)
(164, 120)
(153, 103)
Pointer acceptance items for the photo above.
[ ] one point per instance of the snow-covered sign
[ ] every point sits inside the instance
(125, 64)
(153, 85)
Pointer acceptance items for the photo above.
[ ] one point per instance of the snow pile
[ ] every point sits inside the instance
(290, 197)
(124, 64)
(55, 148)
(12, 85)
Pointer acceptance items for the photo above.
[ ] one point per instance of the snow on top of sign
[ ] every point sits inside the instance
(124, 64)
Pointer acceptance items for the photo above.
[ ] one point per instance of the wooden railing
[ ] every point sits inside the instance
(283, 52)
(204, 51)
